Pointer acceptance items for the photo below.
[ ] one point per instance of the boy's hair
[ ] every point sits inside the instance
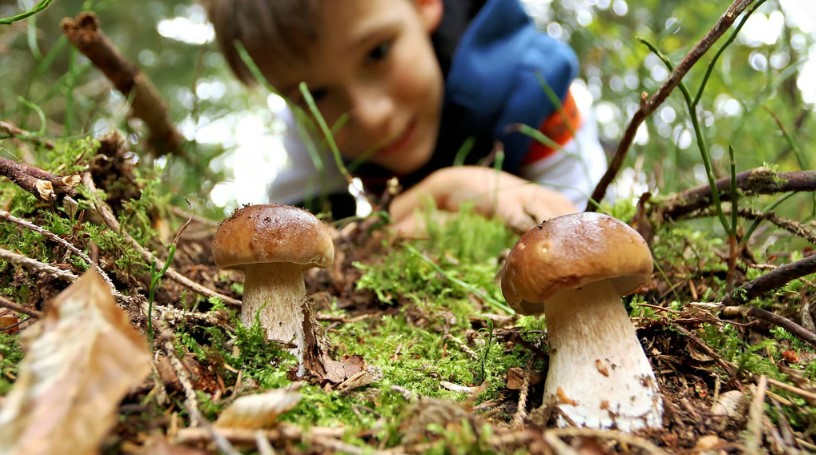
(274, 32)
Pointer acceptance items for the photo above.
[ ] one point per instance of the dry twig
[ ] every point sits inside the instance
(282, 432)
(792, 226)
(772, 280)
(773, 318)
(752, 182)
(57, 239)
(41, 184)
(85, 34)
(6, 303)
(728, 367)
(190, 400)
(36, 265)
(124, 300)
(624, 439)
(521, 410)
(14, 131)
(810, 397)
(753, 437)
(648, 105)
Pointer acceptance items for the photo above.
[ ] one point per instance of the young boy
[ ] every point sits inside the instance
(417, 86)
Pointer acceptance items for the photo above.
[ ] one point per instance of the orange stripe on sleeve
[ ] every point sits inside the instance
(559, 127)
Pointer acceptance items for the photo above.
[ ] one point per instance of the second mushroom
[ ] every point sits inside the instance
(574, 268)
(274, 244)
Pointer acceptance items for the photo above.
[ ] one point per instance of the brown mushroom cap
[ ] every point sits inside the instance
(264, 233)
(571, 251)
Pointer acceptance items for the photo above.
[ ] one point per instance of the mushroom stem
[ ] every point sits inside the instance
(274, 292)
(599, 376)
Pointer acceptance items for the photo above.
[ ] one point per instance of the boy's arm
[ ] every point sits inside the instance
(519, 203)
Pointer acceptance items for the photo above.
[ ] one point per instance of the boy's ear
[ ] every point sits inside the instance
(431, 13)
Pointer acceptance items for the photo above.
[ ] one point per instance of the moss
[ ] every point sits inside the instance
(425, 341)
(11, 353)
(756, 358)
(69, 156)
(686, 248)
(465, 249)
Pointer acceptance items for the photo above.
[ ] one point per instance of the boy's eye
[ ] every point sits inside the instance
(317, 94)
(379, 52)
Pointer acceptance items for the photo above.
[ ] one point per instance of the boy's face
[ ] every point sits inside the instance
(374, 64)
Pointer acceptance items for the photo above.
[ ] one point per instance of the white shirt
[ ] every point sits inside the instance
(573, 170)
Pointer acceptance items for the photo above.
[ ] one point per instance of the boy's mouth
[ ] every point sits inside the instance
(399, 142)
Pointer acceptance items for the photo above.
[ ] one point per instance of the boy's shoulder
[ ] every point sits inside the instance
(500, 69)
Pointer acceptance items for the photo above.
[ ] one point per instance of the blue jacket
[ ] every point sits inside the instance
(497, 72)
(494, 60)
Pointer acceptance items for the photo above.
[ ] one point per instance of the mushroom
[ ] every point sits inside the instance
(274, 244)
(574, 268)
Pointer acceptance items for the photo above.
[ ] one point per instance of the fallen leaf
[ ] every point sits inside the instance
(515, 378)
(790, 356)
(81, 358)
(9, 324)
(158, 445)
(259, 410)
(316, 359)
(366, 376)
(729, 404)
(458, 387)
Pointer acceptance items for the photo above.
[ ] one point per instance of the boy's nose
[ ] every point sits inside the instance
(371, 111)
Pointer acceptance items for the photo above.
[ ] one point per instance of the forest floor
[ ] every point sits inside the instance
(410, 348)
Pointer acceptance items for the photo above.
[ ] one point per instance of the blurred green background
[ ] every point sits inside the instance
(769, 71)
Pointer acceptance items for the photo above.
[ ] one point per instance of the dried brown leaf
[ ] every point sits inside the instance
(158, 445)
(258, 411)
(316, 358)
(81, 359)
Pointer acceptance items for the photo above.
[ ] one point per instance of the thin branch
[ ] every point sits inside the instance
(753, 428)
(708, 350)
(111, 221)
(771, 281)
(752, 182)
(809, 396)
(14, 131)
(521, 409)
(6, 303)
(55, 238)
(792, 226)
(648, 105)
(194, 217)
(36, 265)
(190, 400)
(85, 34)
(624, 439)
(775, 319)
(49, 269)
(281, 432)
(43, 185)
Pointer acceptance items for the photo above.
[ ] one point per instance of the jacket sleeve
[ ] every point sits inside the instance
(506, 72)
(540, 87)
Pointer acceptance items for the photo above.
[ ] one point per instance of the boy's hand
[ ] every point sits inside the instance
(521, 204)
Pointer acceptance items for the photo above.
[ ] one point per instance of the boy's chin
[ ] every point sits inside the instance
(407, 163)
(404, 167)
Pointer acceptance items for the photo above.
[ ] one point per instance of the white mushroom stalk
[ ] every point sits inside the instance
(574, 268)
(274, 294)
(599, 376)
(274, 244)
